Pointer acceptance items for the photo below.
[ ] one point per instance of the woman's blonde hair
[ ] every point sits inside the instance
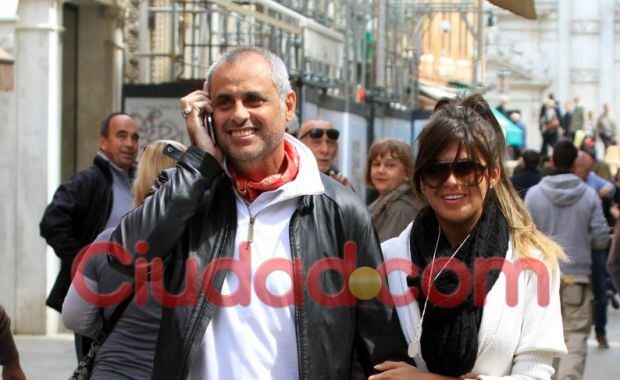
(152, 162)
(398, 149)
(470, 124)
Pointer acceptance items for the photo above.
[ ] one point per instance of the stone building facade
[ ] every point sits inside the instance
(67, 75)
(573, 49)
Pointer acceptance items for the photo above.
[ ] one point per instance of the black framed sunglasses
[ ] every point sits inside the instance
(468, 172)
(317, 133)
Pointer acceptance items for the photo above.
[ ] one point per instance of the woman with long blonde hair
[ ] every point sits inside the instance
(466, 322)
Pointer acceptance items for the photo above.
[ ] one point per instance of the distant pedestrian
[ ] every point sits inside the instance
(543, 107)
(606, 191)
(606, 128)
(578, 118)
(529, 175)
(502, 106)
(570, 211)
(613, 263)
(515, 117)
(549, 126)
(567, 118)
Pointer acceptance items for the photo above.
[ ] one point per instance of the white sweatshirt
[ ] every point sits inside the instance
(259, 341)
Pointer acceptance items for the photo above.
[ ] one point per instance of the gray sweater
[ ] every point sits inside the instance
(129, 350)
(569, 211)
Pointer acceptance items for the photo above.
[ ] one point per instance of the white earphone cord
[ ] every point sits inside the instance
(432, 267)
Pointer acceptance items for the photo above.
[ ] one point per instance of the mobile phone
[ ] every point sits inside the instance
(209, 123)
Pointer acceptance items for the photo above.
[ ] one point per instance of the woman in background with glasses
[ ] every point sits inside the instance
(474, 323)
(389, 170)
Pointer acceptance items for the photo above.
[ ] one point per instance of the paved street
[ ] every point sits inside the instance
(603, 364)
(52, 357)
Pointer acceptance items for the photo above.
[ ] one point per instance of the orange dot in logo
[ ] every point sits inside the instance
(365, 283)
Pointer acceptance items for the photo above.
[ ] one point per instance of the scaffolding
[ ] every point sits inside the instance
(339, 46)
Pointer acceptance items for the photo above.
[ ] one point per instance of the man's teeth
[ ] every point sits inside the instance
(453, 197)
(241, 132)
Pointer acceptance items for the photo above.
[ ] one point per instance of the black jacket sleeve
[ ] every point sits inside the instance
(58, 225)
(161, 220)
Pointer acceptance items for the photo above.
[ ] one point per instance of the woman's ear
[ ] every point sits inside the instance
(494, 177)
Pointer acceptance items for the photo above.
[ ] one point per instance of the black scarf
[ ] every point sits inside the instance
(450, 335)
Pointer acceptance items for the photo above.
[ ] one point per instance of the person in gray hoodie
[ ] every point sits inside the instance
(569, 211)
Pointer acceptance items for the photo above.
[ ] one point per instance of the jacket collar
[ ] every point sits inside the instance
(307, 182)
(103, 161)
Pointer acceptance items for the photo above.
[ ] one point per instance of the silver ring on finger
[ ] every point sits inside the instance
(186, 112)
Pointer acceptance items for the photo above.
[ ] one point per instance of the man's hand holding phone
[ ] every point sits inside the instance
(196, 109)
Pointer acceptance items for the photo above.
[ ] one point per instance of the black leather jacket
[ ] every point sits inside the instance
(194, 215)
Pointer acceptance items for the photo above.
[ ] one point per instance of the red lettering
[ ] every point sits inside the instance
(189, 295)
(344, 268)
(511, 271)
(91, 250)
(260, 282)
(242, 268)
(394, 265)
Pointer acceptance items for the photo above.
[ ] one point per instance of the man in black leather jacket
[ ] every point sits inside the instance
(258, 194)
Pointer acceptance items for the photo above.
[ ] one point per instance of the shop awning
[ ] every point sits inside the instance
(435, 91)
(5, 57)
(523, 8)
(514, 135)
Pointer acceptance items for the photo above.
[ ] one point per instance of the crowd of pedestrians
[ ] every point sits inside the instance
(590, 138)
(250, 255)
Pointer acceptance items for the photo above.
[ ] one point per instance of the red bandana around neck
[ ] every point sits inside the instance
(288, 171)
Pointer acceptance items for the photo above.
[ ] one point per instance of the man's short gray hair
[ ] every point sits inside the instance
(279, 73)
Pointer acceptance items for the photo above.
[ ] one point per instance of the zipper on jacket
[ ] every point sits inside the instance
(251, 228)
(250, 238)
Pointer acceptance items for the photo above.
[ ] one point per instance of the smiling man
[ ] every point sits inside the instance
(258, 197)
(91, 201)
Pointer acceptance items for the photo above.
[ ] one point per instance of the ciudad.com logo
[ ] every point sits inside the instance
(363, 283)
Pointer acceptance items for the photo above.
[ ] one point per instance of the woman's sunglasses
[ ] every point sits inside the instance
(468, 172)
(317, 133)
